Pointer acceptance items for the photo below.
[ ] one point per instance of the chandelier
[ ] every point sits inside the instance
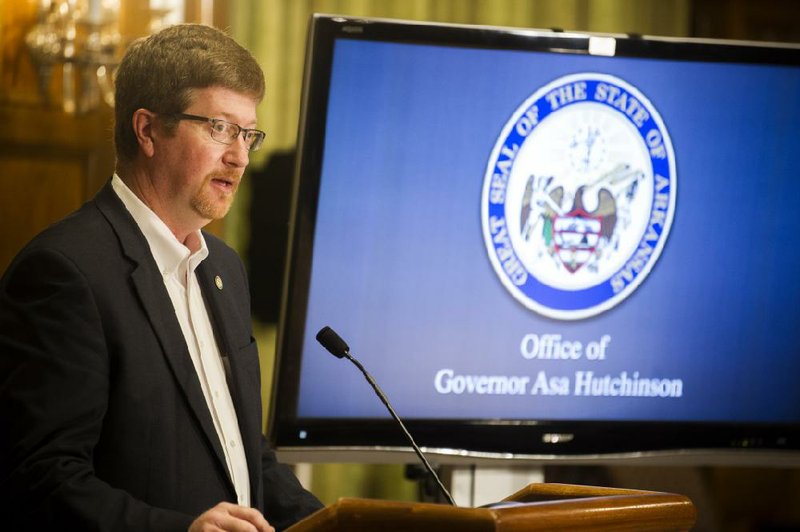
(82, 39)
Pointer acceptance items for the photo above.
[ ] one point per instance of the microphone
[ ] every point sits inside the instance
(339, 348)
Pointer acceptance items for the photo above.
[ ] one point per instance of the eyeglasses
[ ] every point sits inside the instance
(228, 132)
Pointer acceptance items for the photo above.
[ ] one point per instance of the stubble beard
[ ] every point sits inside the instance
(211, 203)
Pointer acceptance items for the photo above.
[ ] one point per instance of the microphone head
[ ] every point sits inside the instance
(333, 342)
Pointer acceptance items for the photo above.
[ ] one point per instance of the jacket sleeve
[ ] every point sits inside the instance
(285, 500)
(54, 379)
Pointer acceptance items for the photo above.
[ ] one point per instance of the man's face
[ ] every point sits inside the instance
(197, 175)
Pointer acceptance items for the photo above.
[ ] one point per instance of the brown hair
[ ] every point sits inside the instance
(159, 72)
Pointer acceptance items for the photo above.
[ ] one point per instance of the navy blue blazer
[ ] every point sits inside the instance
(103, 425)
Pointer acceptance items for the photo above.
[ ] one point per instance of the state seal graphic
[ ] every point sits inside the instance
(578, 196)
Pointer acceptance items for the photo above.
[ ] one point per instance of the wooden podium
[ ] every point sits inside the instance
(536, 507)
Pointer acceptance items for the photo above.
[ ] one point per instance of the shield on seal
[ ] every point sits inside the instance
(575, 238)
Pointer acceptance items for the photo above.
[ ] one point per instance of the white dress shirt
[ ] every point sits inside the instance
(177, 265)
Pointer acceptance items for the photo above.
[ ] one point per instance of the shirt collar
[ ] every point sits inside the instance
(167, 251)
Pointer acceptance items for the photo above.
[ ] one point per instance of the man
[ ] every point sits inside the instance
(129, 380)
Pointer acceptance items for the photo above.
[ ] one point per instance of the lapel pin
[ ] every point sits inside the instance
(218, 281)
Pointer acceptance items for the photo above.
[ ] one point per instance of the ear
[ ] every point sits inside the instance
(144, 128)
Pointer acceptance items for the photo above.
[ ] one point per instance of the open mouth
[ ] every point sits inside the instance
(225, 183)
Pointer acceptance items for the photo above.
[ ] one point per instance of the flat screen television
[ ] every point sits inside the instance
(543, 244)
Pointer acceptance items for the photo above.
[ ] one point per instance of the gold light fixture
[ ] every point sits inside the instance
(82, 38)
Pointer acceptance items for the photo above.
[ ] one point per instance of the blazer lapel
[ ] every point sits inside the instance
(225, 306)
(149, 286)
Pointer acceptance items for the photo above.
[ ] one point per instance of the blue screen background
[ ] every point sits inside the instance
(401, 271)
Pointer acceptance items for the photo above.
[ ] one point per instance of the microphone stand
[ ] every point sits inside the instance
(417, 450)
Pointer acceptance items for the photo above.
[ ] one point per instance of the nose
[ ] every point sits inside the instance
(237, 154)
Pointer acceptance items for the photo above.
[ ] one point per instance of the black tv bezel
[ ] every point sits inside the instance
(490, 438)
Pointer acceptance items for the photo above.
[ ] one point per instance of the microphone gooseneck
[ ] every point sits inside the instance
(339, 348)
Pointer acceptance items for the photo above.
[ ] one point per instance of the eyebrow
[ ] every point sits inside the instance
(228, 118)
